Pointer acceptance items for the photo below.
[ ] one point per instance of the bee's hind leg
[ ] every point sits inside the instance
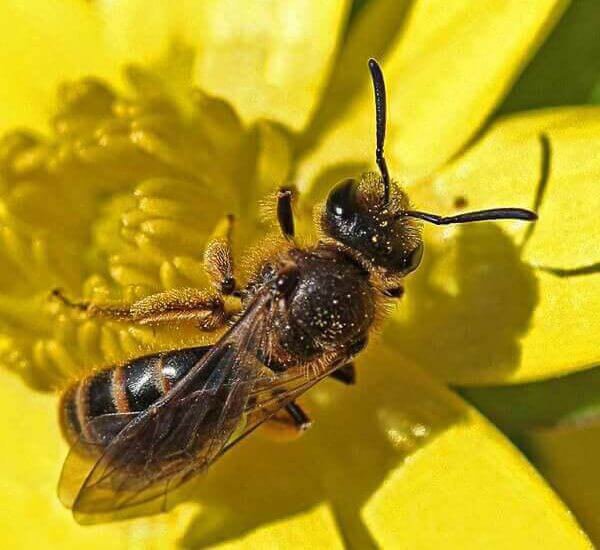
(345, 374)
(300, 419)
(290, 422)
(206, 310)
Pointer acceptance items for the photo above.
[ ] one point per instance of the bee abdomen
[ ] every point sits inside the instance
(128, 388)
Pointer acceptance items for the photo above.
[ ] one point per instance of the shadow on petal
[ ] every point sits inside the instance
(466, 321)
(360, 434)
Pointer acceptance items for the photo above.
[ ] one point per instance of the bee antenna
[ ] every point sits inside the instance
(380, 117)
(477, 216)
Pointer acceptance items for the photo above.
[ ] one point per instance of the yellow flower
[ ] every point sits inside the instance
(116, 197)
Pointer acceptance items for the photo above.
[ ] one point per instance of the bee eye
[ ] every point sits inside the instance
(342, 200)
(413, 259)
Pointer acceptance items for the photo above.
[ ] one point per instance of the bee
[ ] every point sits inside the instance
(141, 429)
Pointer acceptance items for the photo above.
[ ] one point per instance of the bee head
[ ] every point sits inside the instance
(372, 215)
(357, 216)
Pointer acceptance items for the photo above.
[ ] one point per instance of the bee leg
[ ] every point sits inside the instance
(218, 261)
(300, 419)
(172, 306)
(394, 292)
(345, 374)
(288, 423)
(285, 214)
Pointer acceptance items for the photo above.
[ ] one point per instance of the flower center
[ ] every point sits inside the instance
(115, 204)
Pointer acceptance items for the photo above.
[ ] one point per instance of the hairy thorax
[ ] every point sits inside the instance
(330, 306)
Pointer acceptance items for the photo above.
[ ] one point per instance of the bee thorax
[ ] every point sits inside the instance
(331, 304)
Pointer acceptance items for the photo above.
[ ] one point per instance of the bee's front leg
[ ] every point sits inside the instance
(218, 260)
(285, 214)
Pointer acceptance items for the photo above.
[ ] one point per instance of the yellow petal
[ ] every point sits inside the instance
(396, 419)
(461, 485)
(467, 54)
(138, 30)
(568, 456)
(490, 495)
(474, 314)
(445, 74)
(28, 488)
(560, 337)
(504, 169)
(567, 234)
(45, 42)
(400, 447)
(556, 424)
(269, 61)
(315, 528)
(480, 303)
(145, 31)
(370, 34)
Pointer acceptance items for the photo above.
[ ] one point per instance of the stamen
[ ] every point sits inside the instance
(115, 203)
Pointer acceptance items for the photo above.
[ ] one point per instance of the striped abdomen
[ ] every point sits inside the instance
(128, 388)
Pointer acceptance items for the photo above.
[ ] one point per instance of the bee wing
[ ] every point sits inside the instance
(178, 436)
(271, 393)
(85, 452)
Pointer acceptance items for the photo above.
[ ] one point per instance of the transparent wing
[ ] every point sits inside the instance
(85, 452)
(271, 393)
(178, 436)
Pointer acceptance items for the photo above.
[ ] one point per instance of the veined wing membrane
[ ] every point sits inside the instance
(178, 436)
(85, 452)
(271, 393)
